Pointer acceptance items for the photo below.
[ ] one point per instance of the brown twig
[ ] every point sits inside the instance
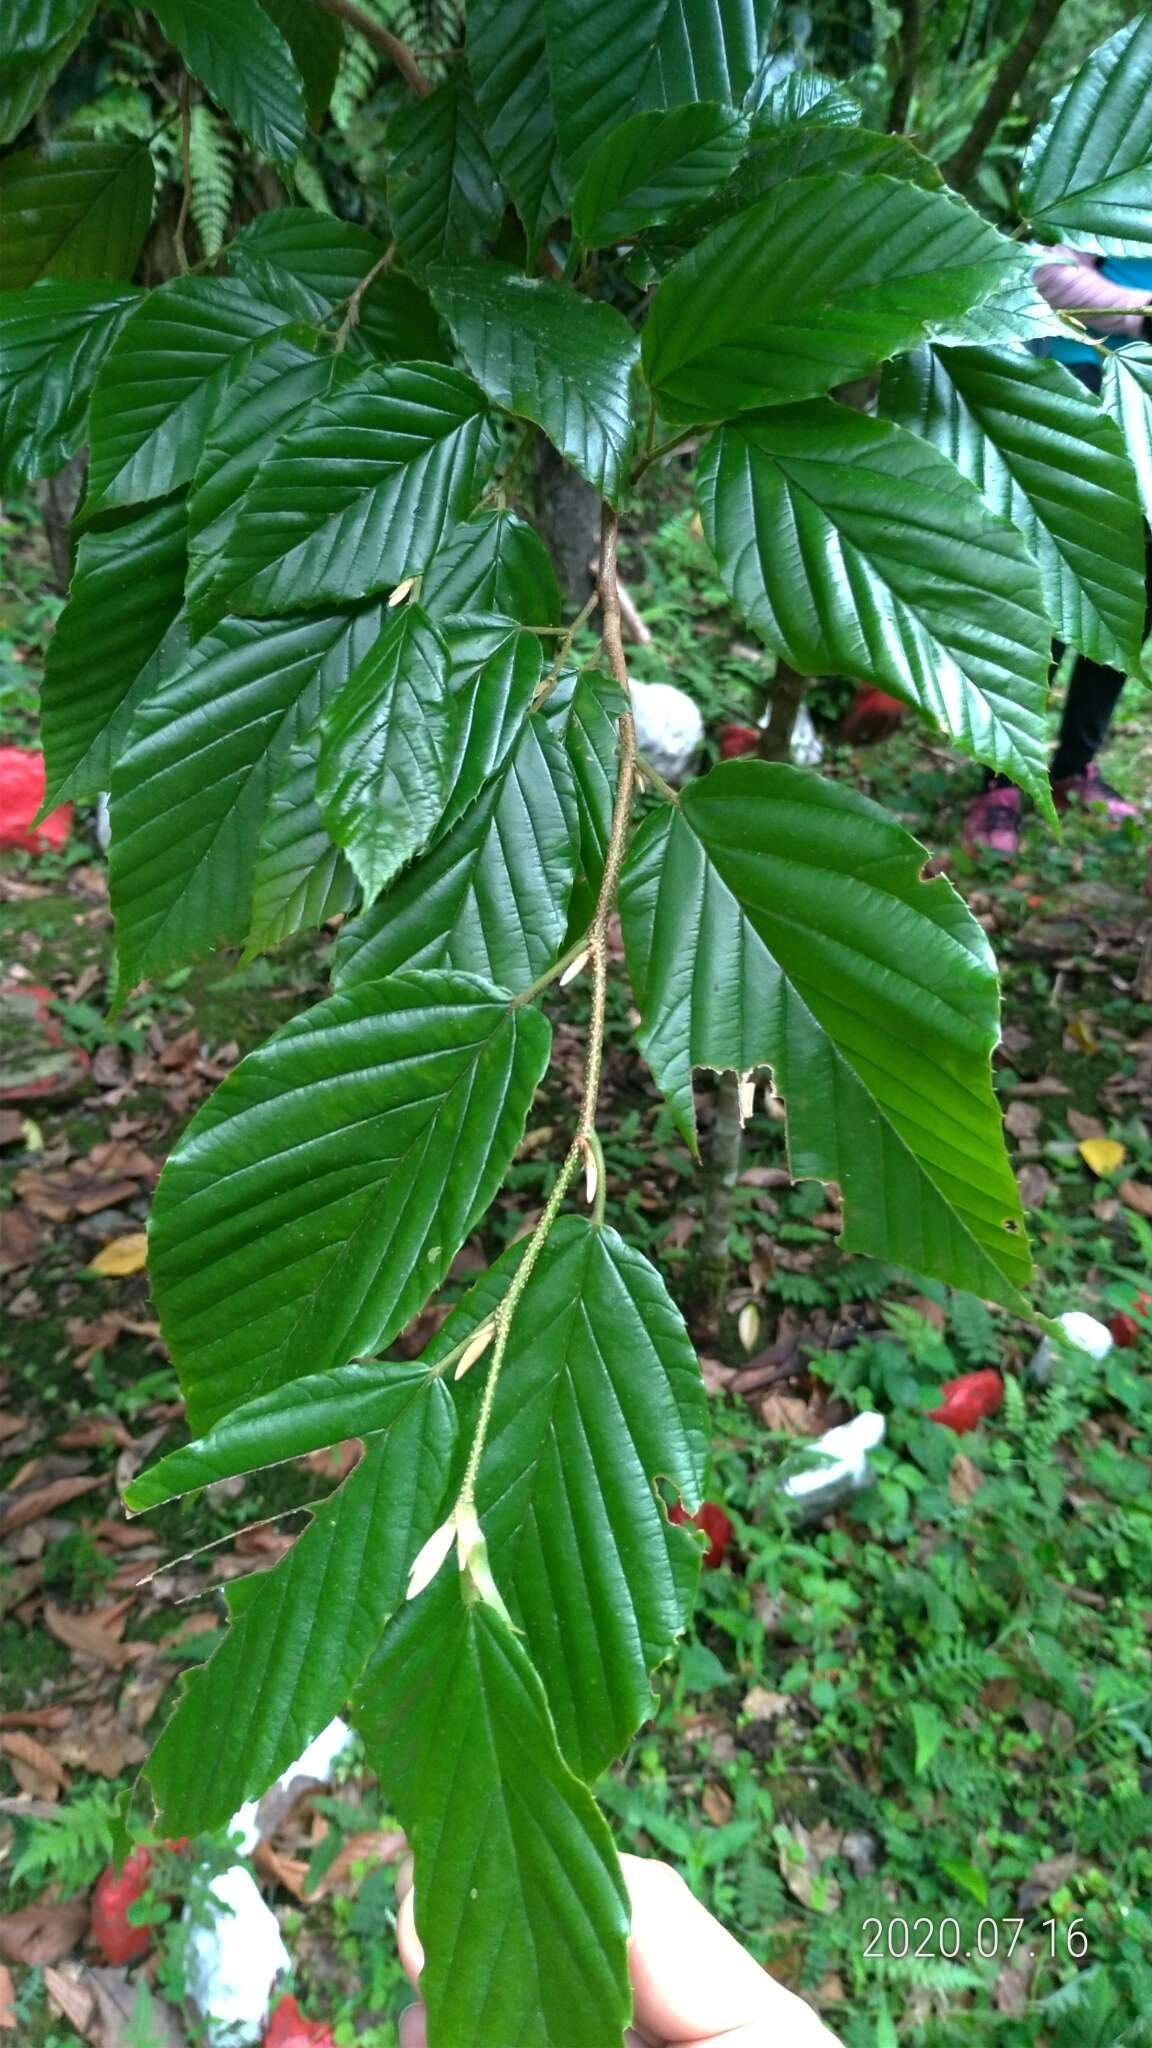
(178, 231)
(962, 167)
(352, 313)
(381, 39)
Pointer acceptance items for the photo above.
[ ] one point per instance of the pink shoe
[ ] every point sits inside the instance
(1091, 788)
(992, 821)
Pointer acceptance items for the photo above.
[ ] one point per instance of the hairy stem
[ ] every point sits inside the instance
(180, 228)
(381, 39)
(905, 86)
(355, 298)
(585, 1145)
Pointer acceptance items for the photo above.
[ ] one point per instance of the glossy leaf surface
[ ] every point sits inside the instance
(1041, 452)
(357, 492)
(508, 66)
(37, 37)
(653, 167)
(775, 919)
(491, 896)
(126, 590)
(811, 287)
(600, 1394)
(190, 793)
(608, 63)
(77, 209)
(541, 352)
(443, 195)
(160, 383)
(1088, 170)
(53, 340)
(857, 549)
(234, 48)
(494, 562)
(386, 755)
(308, 1627)
(331, 1180)
(300, 878)
(519, 1901)
(1127, 398)
(316, 41)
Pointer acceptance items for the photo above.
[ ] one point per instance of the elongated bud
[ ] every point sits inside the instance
(401, 591)
(472, 1552)
(429, 1560)
(475, 1348)
(746, 1090)
(575, 967)
(591, 1175)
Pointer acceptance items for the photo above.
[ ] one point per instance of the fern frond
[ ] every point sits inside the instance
(310, 186)
(211, 160)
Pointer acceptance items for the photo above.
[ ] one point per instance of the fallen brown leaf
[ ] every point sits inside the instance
(23, 1508)
(36, 1717)
(42, 1934)
(92, 1635)
(33, 1765)
(371, 1849)
(803, 1873)
(290, 1872)
(104, 1745)
(92, 1433)
(964, 1479)
(7, 2000)
(10, 1425)
(1136, 1194)
(70, 1999)
(717, 1803)
(118, 2001)
(20, 1239)
(118, 1159)
(787, 1414)
(761, 1705)
(1082, 1126)
(63, 1194)
(11, 1127)
(1033, 1181)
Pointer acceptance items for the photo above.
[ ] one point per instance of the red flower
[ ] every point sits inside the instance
(967, 1400)
(714, 1524)
(1128, 1329)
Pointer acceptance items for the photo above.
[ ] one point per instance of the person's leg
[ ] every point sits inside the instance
(1093, 694)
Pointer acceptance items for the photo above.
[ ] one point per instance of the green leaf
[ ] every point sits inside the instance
(599, 1396)
(263, 390)
(160, 383)
(494, 562)
(300, 878)
(491, 896)
(654, 167)
(495, 669)
(53, 340)
(385, 758)
(812, 287)
(1087, 172)
(75, 209)
(190, 793)
(802, 151)
(127, 588)
(802, 96)
(308, 1629)
(508, 64)
(1127, 398)
(1040, 452)
(775, 919)
(443, 195)
(858, 550)
(316, 41)
(520, 1906)
(321, 1195)
(310, 265)
(243, 61)
(37, 37)
(929, 1729)
(321, 1409)
(542, 352)
(588, 721)
(357, 493)
(609, 63)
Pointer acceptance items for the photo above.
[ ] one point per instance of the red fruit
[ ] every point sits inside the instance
(110, 1928)
(967, 1400)
(21, 795)
(1128, 1329)
(714, 1524)
(736, 740)
(288, 2028)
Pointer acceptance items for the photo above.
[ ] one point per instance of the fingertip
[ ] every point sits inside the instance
(408, 1941)
(413, 2031)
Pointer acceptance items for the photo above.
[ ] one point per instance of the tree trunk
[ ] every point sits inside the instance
(59, 498)
(962, 168)
(905, 86)
(567, 514)
(707, 1282)
(788, 690)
